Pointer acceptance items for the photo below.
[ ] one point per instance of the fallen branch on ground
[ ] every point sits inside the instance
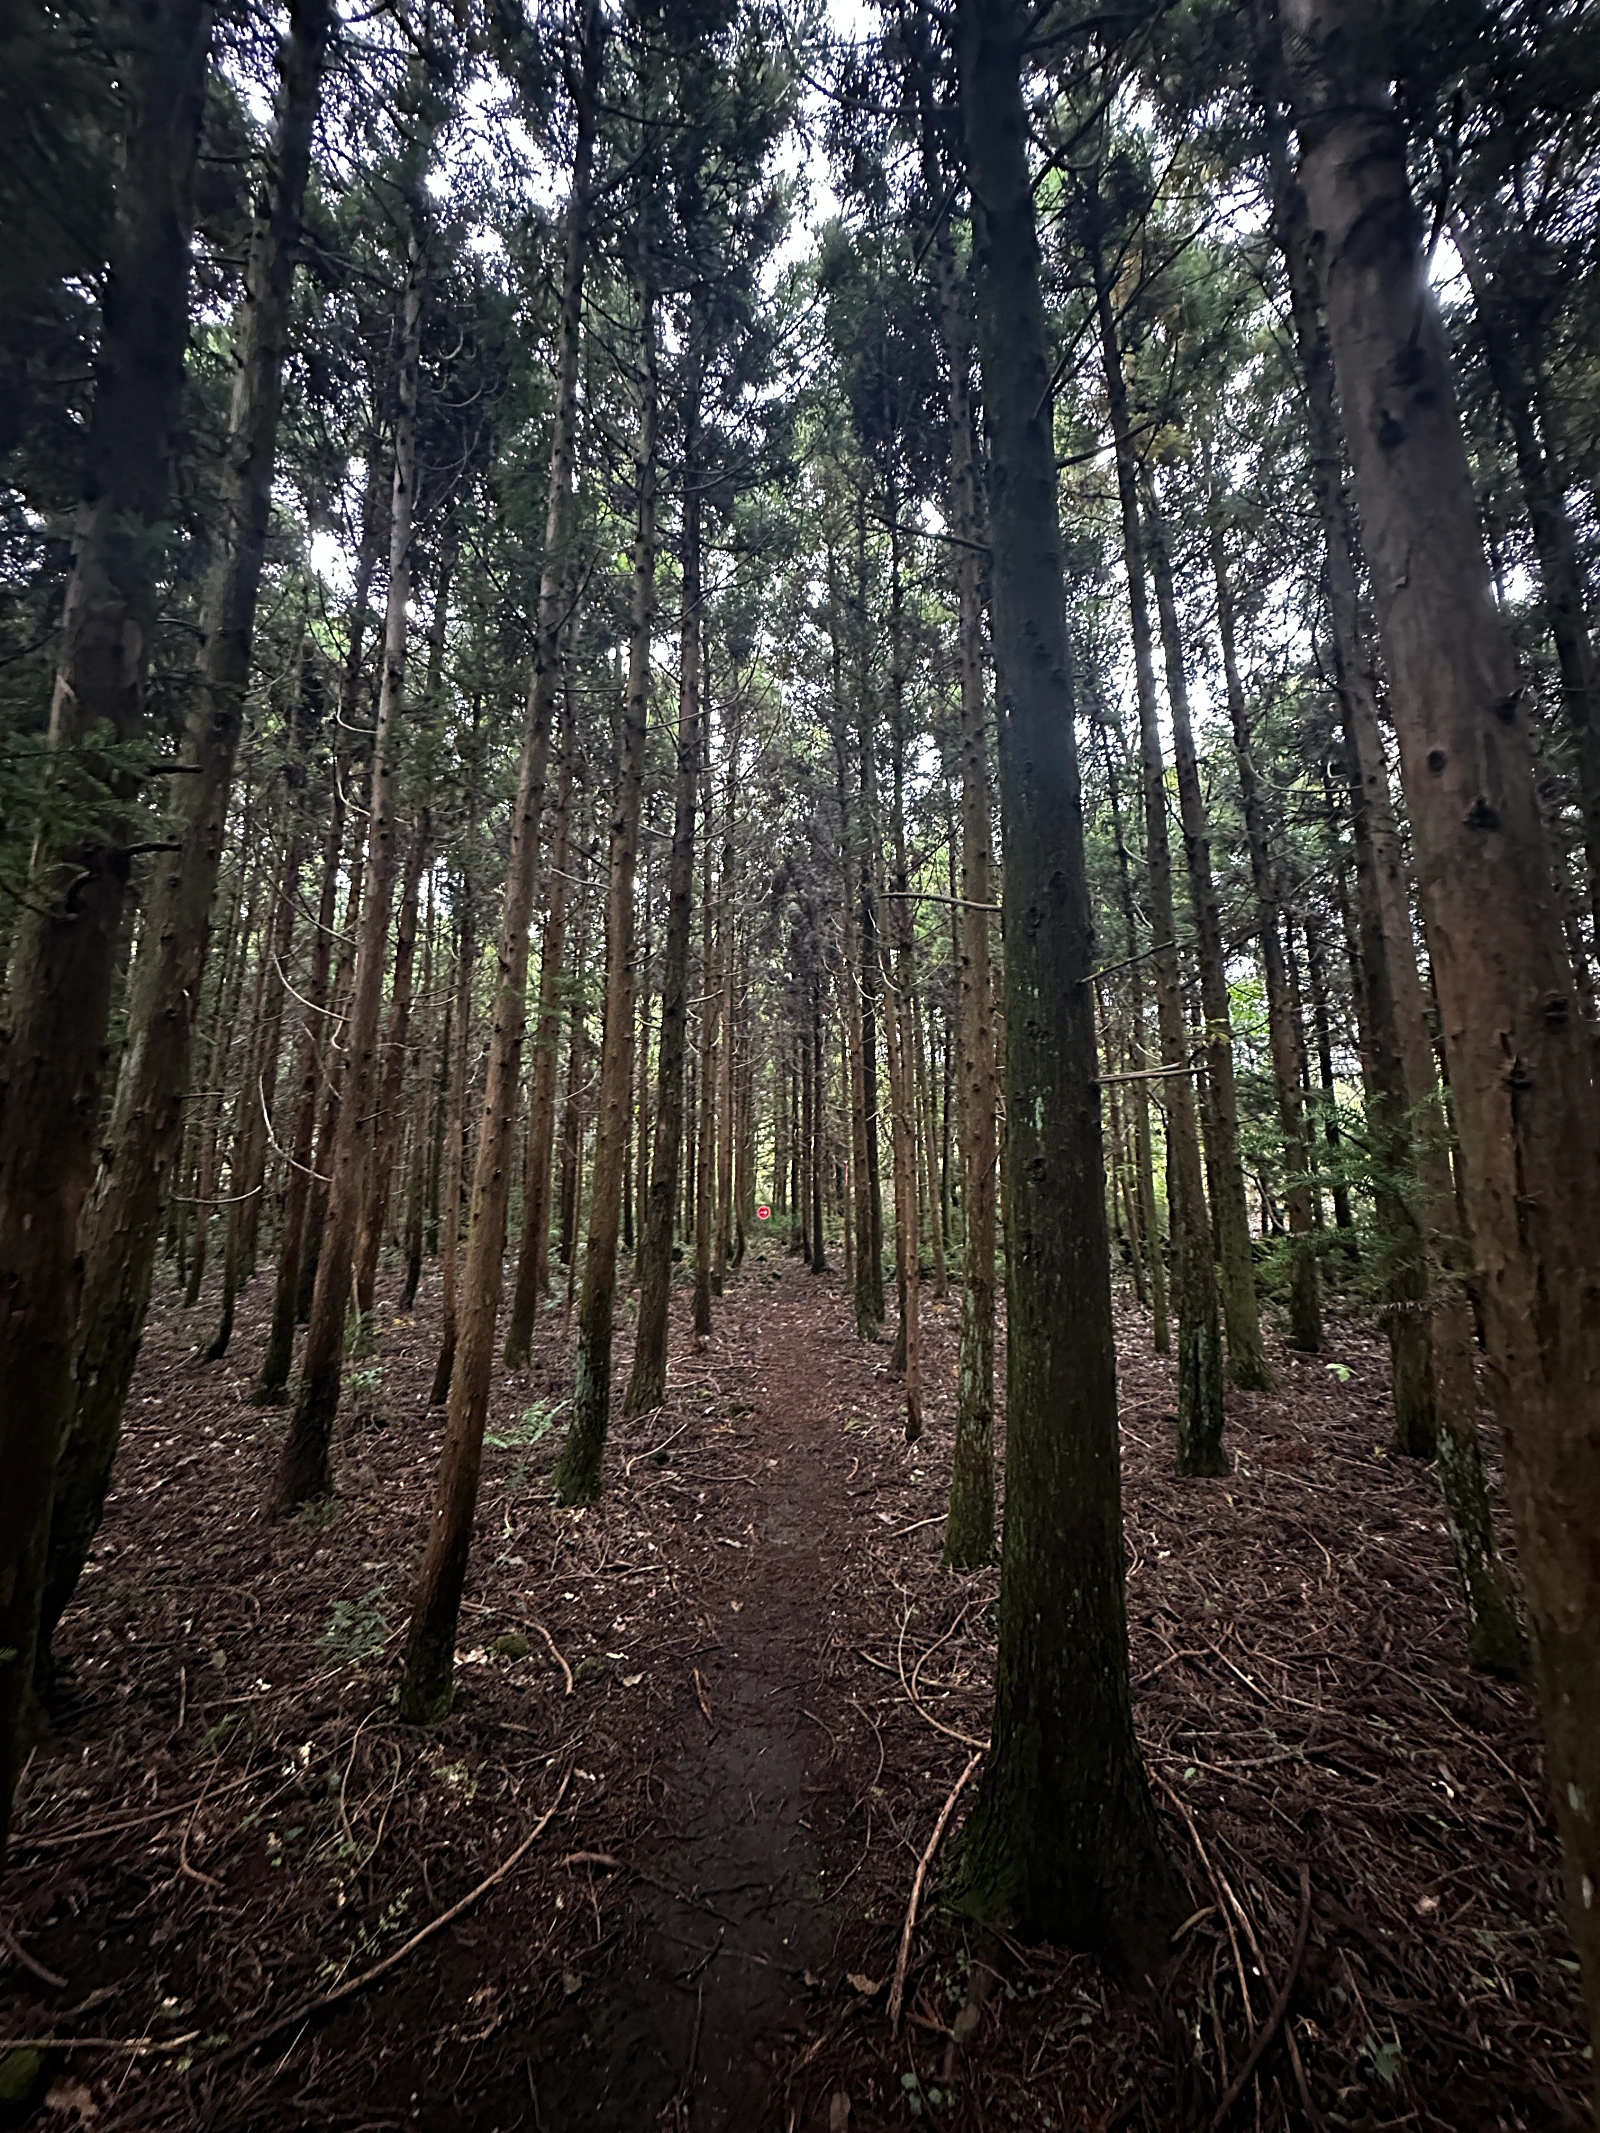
(351, 1986)
(1280, 2007)
(898, 1988)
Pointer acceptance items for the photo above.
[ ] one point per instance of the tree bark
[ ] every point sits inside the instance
(579, 1470)
(1062, 1838)
(1521, 1060)
(278, 1357)
(428, 1684)
(1305, 1287)
(1200, 1387)
(1247, 1361)
(391, 1088)
(538, 1159)
(647, 1385)
(304, 1470)
(65, 947)
(122, 1222)
(705, 1081)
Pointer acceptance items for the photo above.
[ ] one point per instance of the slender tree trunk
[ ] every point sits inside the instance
(64, 953)
(1247, 1361)
(304, 1470)
(1144, 1155)
(727, 1061)
(278, 1358)
(1317, 980)
(424, 1096)
(427, 1687)
(386, 1128)
(578, 1473)
(710, 1017)
(1062, 1838)
(538, 1161)
(1305, 1300)
(1554, 540)
(867, 1285)
(455, 1144)
(249, 1169)
(647, 1385)
(1200, 1389)
(816, 1146)
(1521, 1059)
(224, 1016)
(869, 1266)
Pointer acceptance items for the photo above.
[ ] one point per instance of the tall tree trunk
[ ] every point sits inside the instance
(705, 1082)
(578, 1473)
(249, 1167)
(455, 1141)
(1554, 539)
(424, 1097)
(122, 1222)
(207, 1122)
(428, 1683)
(538, 1159)
(1317, 981)
(647, 1385)
(727, 1060)
(278, 1357)
(391, 1087)
(1062, 1838)
(869, 1266)
(1200, 1388)
(1144, 1156)
(815, 1155)
(1305, 1297)
(64, 956)
(304, 1470)
(928, 1152)
(867, 1283)
(1247, 1361)
(1521, 1059)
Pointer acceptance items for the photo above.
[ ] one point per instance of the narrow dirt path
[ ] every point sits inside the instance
(750, 1687)
(732, 1919)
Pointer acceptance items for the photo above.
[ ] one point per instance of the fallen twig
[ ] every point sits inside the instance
(353, 1985)
(19, 1953)
(898, 1988)
(1280, 2007)
(555, 1655)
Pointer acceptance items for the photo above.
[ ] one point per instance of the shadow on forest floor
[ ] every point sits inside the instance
(757, 1689)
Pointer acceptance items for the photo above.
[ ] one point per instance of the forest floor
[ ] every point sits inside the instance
(727, 1705)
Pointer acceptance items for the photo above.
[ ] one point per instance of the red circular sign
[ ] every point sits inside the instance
(763, 1214)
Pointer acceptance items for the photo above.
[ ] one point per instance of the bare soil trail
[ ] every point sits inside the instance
(652, 1872)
